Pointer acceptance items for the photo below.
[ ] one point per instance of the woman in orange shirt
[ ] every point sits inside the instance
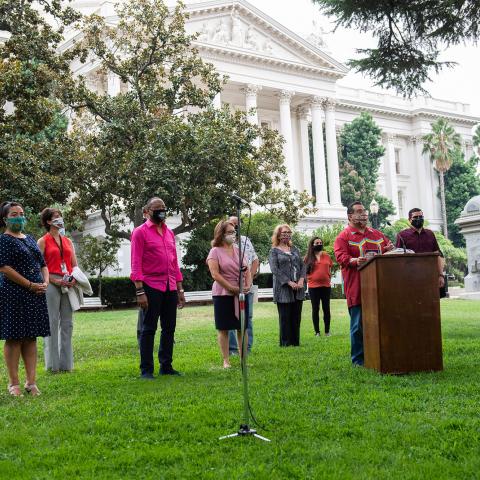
(319, 276)
(60, 258)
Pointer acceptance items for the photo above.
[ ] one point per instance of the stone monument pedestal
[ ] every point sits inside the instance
(469, 223)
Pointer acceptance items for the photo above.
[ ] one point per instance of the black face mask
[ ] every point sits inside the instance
(159, 215)
(317, 248)
(417, 222)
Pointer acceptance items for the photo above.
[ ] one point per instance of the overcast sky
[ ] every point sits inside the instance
(457, 84)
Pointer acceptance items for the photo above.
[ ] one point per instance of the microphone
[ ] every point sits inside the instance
(238, 198)
(403, 243)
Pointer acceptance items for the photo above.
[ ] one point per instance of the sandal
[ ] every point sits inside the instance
(15, 391)
(32, 389)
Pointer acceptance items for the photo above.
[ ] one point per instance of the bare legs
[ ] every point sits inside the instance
(27, 349)
(223, 344)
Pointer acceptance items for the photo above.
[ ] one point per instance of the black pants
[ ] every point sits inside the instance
(316, 295)
(141, 315)
(163, 305)
(290, 315)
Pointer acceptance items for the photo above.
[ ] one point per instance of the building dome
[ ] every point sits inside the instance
(472, 207)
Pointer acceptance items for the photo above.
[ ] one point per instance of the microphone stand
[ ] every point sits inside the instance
(244, 429)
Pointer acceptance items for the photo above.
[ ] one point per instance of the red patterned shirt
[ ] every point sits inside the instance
(351, 243)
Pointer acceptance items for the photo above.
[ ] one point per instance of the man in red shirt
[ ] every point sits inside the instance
(351, 247)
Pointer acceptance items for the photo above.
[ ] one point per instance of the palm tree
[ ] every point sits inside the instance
(476, 139)
(441, 144)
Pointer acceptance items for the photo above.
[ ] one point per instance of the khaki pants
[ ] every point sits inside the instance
(58, 347)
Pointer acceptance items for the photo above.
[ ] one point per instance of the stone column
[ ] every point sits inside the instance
(423, 173)
(217, 101)
(302, 113)
(321, 191)
(251, 106)
(113, 84)
(251, 102)
(468, 149)
(332, 154)
(391, 173)
(286, 130)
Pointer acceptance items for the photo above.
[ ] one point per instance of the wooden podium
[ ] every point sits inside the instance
(401, 313)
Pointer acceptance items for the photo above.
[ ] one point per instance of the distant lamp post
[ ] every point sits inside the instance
(374, 211)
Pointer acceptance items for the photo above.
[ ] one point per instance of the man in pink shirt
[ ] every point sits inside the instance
(158, 284)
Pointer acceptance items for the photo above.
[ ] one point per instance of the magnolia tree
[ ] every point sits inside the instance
(160, 136)
(37, 157)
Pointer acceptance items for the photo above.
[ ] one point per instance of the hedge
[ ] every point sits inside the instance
(116, 291)
(120, 291)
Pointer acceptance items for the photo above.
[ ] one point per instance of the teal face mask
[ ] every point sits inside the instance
(16, 224)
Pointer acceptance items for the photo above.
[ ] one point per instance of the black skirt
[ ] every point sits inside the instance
(224, 311)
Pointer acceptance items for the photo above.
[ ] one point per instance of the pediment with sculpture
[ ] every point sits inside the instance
(236, 28)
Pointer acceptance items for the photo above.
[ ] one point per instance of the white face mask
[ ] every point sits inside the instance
(58, 222)
(230, 238)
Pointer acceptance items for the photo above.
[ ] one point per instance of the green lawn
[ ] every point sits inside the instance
(325, 418)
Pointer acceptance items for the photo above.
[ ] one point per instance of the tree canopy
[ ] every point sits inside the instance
(461, 184)
(360, 155)
(410, 36)
(159, 136)
(442, 144)
(34, 144)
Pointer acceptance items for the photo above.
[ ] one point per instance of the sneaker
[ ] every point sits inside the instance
(328, 334)
(171, 371)
(317, 334)
(233, 353)
(147, 376)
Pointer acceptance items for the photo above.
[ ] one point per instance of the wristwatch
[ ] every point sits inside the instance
(181, 291)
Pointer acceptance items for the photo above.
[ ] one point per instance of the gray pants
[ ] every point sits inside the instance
(58, 347)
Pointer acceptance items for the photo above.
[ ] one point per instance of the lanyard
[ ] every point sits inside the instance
(63, 265)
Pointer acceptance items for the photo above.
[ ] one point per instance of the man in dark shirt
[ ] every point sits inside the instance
(421, 240)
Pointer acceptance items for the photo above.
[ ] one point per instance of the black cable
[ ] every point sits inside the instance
(255, 421)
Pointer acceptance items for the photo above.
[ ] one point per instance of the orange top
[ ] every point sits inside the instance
(54, 253)
(321, 274)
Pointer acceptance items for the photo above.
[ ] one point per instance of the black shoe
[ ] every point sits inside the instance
(147, 376)
(171, 371)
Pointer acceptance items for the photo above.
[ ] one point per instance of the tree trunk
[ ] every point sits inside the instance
(443, 204)
(100, 288)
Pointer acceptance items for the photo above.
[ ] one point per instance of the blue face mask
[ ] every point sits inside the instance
(16, 224)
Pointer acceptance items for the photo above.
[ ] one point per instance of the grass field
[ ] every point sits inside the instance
(325, 418)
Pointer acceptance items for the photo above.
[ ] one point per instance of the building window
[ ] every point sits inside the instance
(397, 161)
(401, 201)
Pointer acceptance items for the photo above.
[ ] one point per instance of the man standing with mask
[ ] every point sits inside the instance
(421, 240)
(351, 247)
(158, 284)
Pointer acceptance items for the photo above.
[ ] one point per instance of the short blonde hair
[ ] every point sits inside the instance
(276, 234)
(219, 233)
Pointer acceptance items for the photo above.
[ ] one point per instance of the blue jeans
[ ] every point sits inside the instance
(232, 334)
(356, 334)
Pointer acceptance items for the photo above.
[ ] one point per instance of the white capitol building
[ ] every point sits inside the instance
(292, 81)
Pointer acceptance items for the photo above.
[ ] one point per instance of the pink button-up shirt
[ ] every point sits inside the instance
(154, 257)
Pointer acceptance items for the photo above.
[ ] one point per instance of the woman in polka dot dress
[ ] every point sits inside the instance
(23, 306)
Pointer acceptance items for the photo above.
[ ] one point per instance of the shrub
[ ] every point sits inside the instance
(116, 291)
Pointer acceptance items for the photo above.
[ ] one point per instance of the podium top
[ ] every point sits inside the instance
(396, 255)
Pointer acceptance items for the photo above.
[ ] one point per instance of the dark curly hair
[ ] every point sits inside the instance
(310, 258)
(4, 209)
(46, 216)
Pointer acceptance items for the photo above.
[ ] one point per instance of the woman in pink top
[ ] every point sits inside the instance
(223, 264)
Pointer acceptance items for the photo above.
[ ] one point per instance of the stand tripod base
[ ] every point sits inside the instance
(245, 431)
